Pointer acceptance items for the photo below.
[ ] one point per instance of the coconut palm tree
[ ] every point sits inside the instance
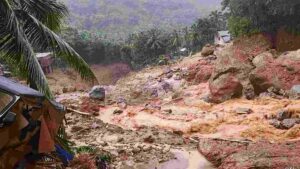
(27, 26)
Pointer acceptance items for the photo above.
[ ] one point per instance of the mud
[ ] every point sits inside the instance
(163, 130)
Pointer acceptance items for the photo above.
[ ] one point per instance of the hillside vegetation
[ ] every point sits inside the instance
(119, 18)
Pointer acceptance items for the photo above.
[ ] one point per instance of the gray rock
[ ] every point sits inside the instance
(289, 123)
(275, 123)
(97, 92)
(296, 89)
(169, 75)
(149, 138)
(122, 103)
(283, 115)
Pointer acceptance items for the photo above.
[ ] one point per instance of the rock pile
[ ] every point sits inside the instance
(248, 68)
(285, 120)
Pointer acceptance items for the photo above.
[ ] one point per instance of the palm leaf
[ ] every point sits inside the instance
(39, 34)
(48, 12)
(18, 45)
(28, 25)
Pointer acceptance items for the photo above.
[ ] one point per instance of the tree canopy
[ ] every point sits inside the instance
(262, 15)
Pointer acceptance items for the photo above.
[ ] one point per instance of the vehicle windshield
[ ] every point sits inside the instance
(5, 100)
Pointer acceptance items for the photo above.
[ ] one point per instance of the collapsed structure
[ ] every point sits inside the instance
(29, 124)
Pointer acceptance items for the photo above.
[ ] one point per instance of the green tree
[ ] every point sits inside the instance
(204, 29)
(263, 15)
(28, 26)
(147, 46)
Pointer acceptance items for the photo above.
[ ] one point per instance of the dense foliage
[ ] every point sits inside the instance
(204, 30)
(146, 47)
(118, 18)
(247, 16)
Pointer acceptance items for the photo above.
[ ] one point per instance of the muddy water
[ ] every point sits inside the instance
(186, 160)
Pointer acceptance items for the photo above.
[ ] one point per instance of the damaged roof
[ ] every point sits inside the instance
(13, 87)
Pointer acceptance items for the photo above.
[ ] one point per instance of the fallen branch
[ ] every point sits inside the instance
(78, 112)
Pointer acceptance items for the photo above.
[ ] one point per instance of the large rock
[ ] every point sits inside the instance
(244, 155)
(225, 87)
(235, 62)
(97, 92)
(282, 72)
(207, 50)
(201, 71)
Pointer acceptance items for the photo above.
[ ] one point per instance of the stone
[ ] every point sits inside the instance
(166, 87)
(243, 110)
(289, 123)
(178, 132)
(111, 138)
(234, 63)
(97, 92)
(166, 149)
(296, 89)
(118, 112)
(96, 113)
(65, 90)
(136, 148)
(282, 72)
(101, 142)
(147, 147)
(149, 138)
(122, 103)
(225, 87)
(136, 93)
(169, 75)
(281, 115)
(275, 123)
(121, 139)
(177, 77)
(207, 50)
(199, 72)
(169, 111)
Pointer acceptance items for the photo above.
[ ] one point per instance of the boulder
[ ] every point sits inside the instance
(226, 154)
(281, 115)
(97, 92)
(235, 61)
(225, 87)
(289, 123)
(282, 72)
(200, 72)
(207, 50)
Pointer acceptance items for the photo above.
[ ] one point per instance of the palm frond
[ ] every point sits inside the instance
(18, 45)
(49, 12)
(39, 34)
